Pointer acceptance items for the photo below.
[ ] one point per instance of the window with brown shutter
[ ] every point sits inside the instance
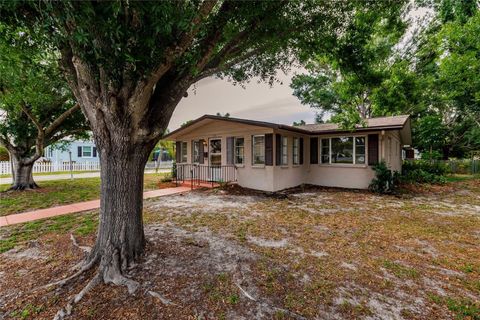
(372, 149)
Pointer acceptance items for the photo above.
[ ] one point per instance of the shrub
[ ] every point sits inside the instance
(385, 181)
(423, 171)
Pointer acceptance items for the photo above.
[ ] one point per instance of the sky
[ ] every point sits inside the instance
(258, 101)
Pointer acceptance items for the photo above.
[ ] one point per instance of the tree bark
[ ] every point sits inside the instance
(22, 175)
(120, 239)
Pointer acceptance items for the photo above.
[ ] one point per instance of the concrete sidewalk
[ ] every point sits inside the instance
(77, 207)
(66, 176)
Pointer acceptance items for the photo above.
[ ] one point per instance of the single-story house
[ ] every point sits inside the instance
(271, 157)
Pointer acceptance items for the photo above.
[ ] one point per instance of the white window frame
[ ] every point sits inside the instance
(262, 150)
(296, 151)
(354, 160)
(83, 152)
(235, 147)
(284, 151)
(183, 155)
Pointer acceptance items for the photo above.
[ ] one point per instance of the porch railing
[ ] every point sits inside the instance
(197, 174)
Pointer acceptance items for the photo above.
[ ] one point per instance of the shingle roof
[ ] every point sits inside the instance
(380, 123)
(372, 123)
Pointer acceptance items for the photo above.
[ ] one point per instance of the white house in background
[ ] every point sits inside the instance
(271, 157)
(81, 151)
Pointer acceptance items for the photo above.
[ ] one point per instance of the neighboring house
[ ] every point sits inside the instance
(272, 157)
(81, 151)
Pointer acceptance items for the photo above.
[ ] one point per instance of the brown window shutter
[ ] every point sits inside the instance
(79, 152)
(200, 151)
(178, 147)
(278, 149)
(301, 150)
(269, 149)
(230, 150)
(94, 152)
(314, 150)
(372, 149)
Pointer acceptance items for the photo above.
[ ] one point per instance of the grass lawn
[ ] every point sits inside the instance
(59, 192)
(50, 173)
(228, 254)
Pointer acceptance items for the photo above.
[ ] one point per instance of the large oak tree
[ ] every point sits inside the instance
(37, 108)
(130, 63)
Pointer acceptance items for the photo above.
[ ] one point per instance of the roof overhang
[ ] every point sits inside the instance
(404, 128)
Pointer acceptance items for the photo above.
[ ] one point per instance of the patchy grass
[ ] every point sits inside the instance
(319, 253)
(60, 192)
(82, 224)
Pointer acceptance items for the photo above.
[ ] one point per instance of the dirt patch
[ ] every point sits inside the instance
(317, 253)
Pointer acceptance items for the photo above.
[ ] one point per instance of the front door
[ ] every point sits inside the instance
(215, 160)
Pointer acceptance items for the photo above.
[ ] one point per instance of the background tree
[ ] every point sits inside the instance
(343, 82)
(130, 63)
(433, 77)
(36, 106)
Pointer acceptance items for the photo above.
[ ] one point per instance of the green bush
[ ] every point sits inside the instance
(385, 181)
(424, 171)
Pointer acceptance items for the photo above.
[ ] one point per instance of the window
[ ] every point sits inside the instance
(325, 158)
(342, 150)
(183, 151)
(296, 150)
(196, 151)
(49, 152)
(87, 151)
(284, 151)
(348, 150)
(239, 151)
(258, 147)
(360, 150)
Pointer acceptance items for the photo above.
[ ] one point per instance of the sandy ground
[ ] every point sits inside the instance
(236, 254)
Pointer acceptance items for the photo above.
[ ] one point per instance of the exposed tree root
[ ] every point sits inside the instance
(60, 283)
(110, 270)
(85, 249)
(61, 314)
(24, 187)
(164, 300)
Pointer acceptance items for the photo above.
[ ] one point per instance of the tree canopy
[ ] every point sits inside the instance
(434, 79)
(36, 104)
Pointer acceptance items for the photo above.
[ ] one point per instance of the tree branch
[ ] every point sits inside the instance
(60, 119)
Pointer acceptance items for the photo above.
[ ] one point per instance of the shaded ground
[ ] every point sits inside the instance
(60, 192)
(319, 253)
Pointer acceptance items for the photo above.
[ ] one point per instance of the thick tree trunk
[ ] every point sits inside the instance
(120, 239)
(22, 175)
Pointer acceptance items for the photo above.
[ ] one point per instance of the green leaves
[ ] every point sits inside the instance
(30, 77)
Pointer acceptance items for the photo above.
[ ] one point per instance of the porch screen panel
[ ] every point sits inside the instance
(230, 150)
(269, 149)
(372, 149)
(314, 150)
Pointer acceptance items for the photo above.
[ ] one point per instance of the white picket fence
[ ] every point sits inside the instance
(39, 167)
